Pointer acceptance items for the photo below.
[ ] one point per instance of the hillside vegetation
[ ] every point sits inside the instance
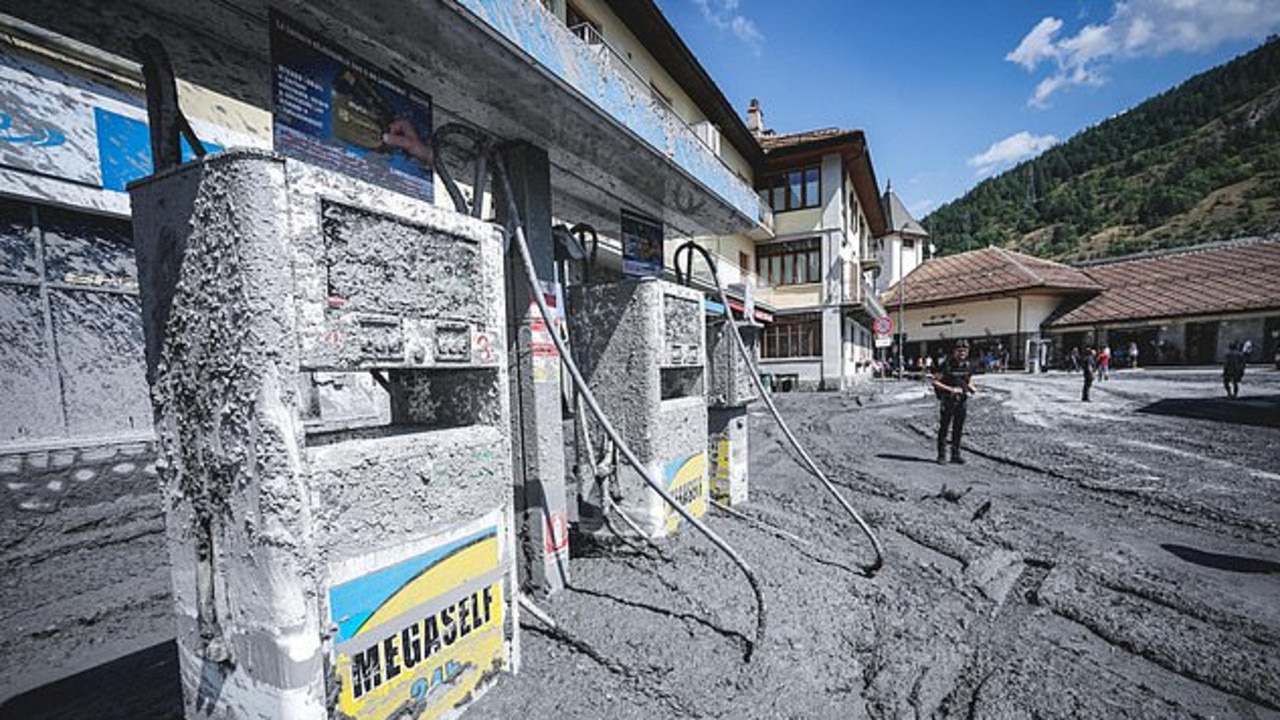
(1198, 163)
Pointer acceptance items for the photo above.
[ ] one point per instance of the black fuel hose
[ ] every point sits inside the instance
(687, 249)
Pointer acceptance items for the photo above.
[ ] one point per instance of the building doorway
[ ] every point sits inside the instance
(1202, 343)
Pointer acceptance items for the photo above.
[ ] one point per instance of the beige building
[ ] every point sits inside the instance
(816, 271)
(996, 299)
(1177, 307)
(1181, 307)
(902, 250)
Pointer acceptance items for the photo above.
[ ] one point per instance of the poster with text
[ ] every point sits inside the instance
(332, 110)
(641, 245)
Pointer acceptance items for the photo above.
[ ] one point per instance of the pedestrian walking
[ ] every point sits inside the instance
(1133, 354)
(1104, 363)
(953, 384)
(1090, 367)
(1233, 370)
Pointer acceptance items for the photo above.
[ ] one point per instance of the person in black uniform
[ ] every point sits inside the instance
(1233, 370)
(953, 384)
(1090, 368)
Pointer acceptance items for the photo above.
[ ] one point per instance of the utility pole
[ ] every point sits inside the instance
(902, 291)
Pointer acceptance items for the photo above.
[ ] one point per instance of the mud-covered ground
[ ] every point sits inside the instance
(1119, 558)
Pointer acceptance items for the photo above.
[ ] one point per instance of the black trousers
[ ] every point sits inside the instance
(1088, 383)
(953, 412)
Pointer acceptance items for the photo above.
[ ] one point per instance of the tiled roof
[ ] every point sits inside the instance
(990, 271)
(778, 142)
(1225, 277)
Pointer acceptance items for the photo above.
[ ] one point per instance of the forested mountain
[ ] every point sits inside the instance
(1200, 162)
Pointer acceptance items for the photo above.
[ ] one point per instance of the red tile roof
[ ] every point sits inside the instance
(1224, 277)
(987, 272)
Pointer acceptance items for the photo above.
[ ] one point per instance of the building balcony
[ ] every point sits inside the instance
(580, 59)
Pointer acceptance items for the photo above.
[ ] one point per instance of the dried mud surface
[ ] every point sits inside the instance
(1119, 558)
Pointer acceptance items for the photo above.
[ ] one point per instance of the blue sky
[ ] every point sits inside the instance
(950, 92)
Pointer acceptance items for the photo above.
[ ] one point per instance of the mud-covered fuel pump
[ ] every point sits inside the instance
(687, 250)
(364, 572)
(729, 393)
(684, 340)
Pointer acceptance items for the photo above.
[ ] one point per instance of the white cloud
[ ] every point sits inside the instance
(1011, 150)
(1138, 28)
(724, 15)
(1037, 45)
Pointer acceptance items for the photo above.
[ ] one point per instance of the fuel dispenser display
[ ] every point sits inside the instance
(366, 572)
(730, 391)
(641, 347)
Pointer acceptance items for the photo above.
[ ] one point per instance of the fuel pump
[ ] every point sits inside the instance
(729, 392)
(642, 349)
(687, 250)
(486, 156)
(363, 572)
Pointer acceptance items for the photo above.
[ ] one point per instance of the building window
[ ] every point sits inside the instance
(793, 336)
(744, 262)
(582, 25)
(71, 359)
(793, 190)
(797, 262)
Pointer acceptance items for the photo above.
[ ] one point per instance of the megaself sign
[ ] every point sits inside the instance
(417, 636)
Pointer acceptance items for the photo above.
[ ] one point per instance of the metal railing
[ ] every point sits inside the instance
(587, 33)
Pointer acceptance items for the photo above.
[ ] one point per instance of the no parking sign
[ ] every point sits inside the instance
(883, 325)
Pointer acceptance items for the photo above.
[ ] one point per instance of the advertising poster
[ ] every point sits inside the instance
(332, 110)
(641, 246)
(416, 637)
(686, 480)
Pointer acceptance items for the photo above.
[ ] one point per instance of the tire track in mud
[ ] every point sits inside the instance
(1197, 649)
(1157, 626)
(982, 664)
(1161, 505)
(946, 672)
(1231, 668)
(637, 681)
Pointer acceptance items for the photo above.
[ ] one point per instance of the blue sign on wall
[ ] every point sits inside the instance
(641, 245)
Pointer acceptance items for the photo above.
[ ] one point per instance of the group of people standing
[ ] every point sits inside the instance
(952, 378)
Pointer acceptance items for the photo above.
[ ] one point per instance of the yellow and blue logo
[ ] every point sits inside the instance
(416, 638)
